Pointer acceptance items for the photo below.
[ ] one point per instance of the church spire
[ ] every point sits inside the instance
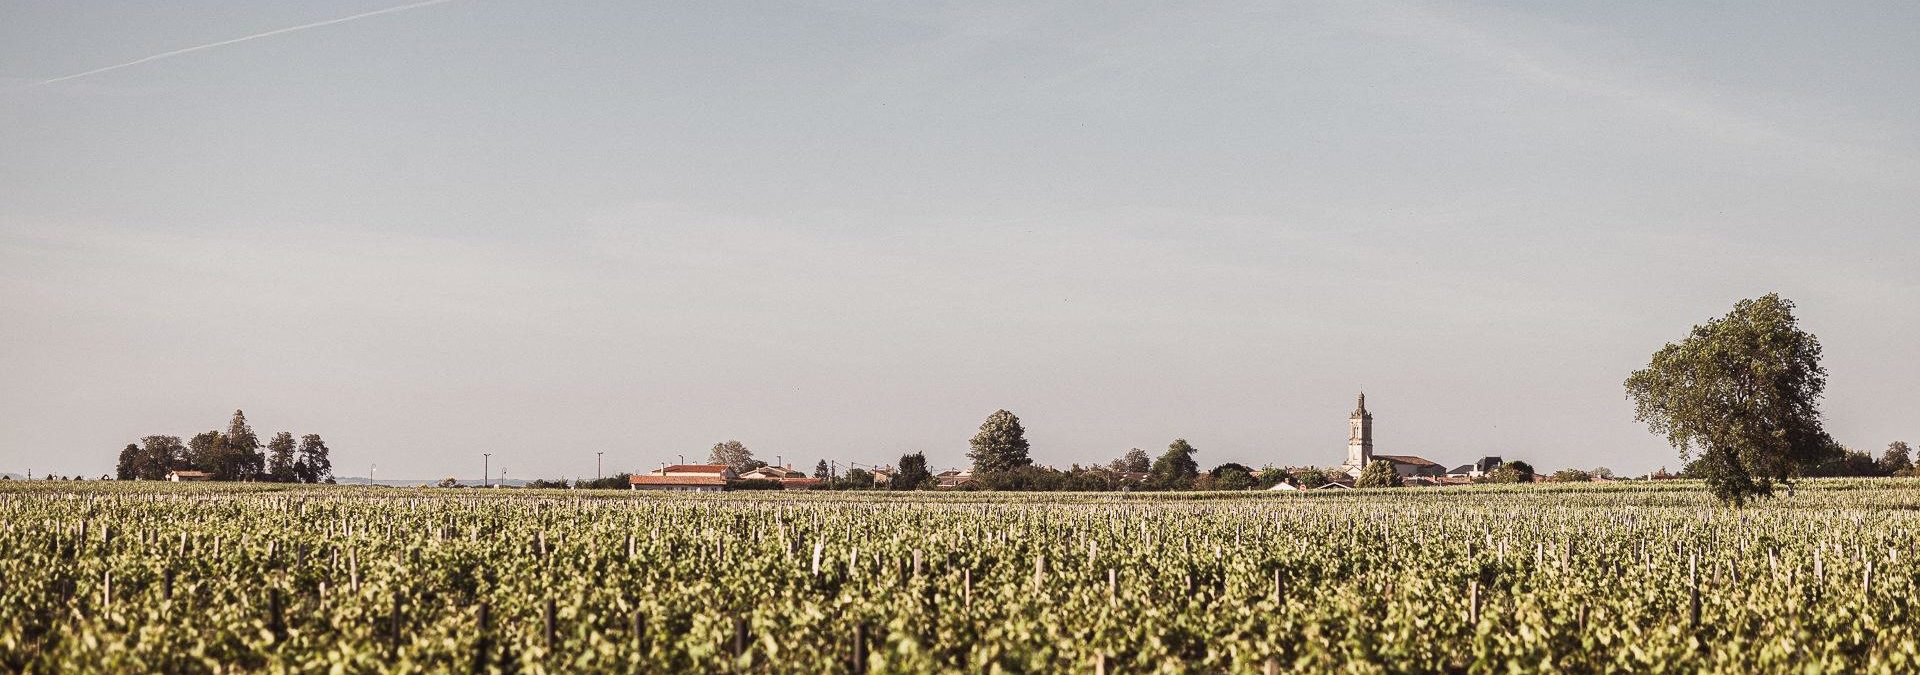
(1361, 409)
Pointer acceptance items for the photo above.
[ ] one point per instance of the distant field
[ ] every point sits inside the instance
(1628, 578)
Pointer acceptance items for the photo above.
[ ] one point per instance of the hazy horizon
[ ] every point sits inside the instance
(848, 231)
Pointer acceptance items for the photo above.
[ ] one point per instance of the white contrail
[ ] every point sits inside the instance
(255, 36)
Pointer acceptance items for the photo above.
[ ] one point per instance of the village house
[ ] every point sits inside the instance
(685, 478)
(1478, 469)
(788, 477)
(953, 478)
(188, 476)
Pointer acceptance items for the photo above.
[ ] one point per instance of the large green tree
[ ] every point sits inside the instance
(1742, 392)
(1175, 469)
(1001, 444)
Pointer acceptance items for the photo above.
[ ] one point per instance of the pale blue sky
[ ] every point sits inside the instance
(548, 229)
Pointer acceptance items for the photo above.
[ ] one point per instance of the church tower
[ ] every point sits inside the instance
(1359, 438)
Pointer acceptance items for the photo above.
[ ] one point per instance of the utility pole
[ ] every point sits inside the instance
(485, 470)
(596, 465)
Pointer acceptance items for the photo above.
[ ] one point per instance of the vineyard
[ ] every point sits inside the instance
(145, 577)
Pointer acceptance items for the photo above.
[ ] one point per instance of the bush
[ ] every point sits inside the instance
(756, 484)
(1379, 474)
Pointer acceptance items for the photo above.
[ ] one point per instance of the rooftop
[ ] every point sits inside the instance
(678, 480)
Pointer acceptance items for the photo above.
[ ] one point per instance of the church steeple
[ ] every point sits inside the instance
(1359, 438)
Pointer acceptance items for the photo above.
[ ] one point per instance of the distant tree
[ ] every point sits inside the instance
(1379, 474)
(280, 458)
(1602, 472)
(1898, 459)
(1175, 469)
(1135, 461)
(243, 458)
(732, 453)
(756, 484)
(1311, 477)
(913, 473)
(545, 484)
(449, 483)
(1849, 463)
(207, 451)
(160, 455)
(315, 465)
(1269, 477)
(1511, 472)
(1743, 391)
(1001, 444)
(1572, 476)
(1231, 476)
(1026, 479)
(857, 479)
(618, 481)
(128, 468)
(822, 471)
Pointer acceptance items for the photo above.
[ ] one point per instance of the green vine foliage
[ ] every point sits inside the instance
(1642, 578)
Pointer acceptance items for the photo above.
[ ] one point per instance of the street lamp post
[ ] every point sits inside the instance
(485, 458)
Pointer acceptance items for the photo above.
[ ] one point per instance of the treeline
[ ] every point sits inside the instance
(1894, 462)
(1002, 462)
(235, 454)
(618, 481)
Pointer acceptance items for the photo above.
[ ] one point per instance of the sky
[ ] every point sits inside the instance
(849, 231)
